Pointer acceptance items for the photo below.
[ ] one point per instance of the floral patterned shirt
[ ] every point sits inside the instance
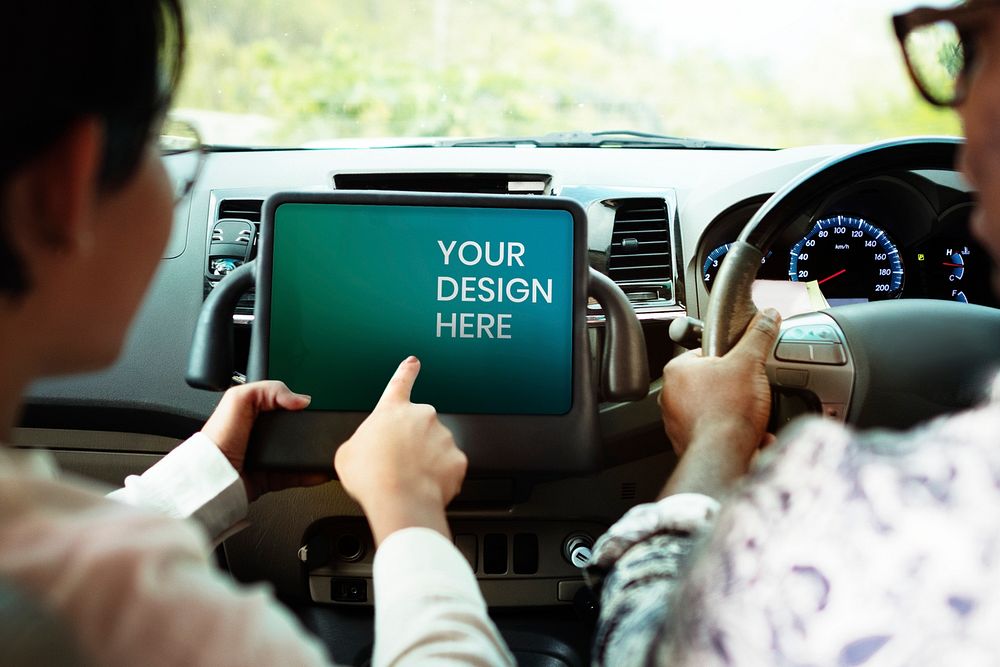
(841, 548)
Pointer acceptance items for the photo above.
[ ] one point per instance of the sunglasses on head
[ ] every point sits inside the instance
(939, 46)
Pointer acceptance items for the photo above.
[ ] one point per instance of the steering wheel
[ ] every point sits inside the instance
(880, 364)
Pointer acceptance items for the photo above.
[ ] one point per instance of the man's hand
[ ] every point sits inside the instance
(229, 428)
(402, 464)
(718, 408)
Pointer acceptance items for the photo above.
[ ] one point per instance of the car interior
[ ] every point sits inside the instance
(657, 225)
(662, 243)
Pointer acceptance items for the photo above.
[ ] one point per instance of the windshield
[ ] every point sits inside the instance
(773, 73)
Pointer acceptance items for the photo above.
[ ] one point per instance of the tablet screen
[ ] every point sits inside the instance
(483, 296)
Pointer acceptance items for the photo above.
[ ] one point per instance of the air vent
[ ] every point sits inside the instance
(240, 209)
(640, 243)
(245, 209)
(503, 184)
(236, 227)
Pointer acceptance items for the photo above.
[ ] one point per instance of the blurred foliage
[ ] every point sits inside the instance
(325, 70)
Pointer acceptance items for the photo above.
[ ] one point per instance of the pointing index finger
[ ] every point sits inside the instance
(401, 383)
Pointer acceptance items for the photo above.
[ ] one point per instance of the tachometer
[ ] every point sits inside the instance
(851, 259)
(711, 267)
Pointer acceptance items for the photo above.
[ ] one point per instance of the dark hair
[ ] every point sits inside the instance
(117, 60)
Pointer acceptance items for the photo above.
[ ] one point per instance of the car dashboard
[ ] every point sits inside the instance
(658, 220)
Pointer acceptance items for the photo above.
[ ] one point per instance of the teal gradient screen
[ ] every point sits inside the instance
(483, 296)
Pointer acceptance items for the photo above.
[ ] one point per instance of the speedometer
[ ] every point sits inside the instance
(850, 258)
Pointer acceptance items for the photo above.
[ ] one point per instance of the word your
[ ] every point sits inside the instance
(485, 289)
(471, 253)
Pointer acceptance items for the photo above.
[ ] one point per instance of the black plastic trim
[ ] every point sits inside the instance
(560, 444)
(113, 417)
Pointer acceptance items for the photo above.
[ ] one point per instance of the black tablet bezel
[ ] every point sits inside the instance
(493, 443)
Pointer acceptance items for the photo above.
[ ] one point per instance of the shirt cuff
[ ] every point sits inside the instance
(409, 557)
(428, 606)
(194, 481)
(687, 514)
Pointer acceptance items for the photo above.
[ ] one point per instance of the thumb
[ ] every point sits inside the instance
(235, 414)
(401, 384)
(285, 398)
(760, 335)
(266, 396)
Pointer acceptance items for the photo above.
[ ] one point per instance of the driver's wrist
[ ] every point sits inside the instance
(737, 439)
(711, 465)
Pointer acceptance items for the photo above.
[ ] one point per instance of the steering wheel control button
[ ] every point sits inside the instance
(811, 333)
(794, 352)
(832, 354)
(792, 378)
(343, 589)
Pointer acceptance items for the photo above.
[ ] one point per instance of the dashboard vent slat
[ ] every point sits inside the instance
(640, 242)
(245, 209)
(476, 183)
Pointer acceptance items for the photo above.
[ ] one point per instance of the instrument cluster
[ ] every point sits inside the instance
(886, 238)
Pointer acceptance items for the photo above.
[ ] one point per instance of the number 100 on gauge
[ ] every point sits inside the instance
(850, 258)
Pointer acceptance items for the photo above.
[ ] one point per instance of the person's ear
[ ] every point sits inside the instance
(52, 199)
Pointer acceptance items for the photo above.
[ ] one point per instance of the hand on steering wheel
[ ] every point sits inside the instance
(722, 399)
(717, 409)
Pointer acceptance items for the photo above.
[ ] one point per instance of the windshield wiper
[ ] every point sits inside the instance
(237, 148)
(603, 139)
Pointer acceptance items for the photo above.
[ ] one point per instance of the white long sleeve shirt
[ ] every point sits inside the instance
(132, 575)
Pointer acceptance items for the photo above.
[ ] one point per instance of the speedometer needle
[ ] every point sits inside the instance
(833, 276)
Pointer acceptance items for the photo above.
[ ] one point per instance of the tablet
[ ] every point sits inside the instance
(482, 296)
(489, 292)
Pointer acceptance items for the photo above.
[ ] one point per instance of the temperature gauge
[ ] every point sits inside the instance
(949, 271)
(954, 270)
(954, 264)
